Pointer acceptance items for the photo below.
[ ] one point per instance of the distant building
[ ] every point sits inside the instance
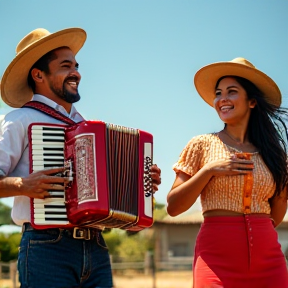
(175, 239)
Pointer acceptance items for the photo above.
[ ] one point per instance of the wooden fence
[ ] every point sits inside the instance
(146, 267)
(9, 271)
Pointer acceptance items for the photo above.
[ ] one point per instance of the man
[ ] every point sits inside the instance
(45, 70)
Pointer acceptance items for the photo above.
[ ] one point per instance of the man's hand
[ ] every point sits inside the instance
(156, 177)
(38, 184)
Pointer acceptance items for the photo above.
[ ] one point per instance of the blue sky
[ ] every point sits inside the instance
(140, 58)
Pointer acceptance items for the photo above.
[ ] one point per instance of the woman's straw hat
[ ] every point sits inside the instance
(206, 78)
(14, 87)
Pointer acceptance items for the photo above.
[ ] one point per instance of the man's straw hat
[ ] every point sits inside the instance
(206, 78)
(14, 87)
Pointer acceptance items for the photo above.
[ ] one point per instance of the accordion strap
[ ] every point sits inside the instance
(49, 111)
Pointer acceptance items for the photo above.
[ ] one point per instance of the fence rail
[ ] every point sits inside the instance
(146, 267)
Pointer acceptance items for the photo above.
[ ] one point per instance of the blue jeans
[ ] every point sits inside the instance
(52, 258)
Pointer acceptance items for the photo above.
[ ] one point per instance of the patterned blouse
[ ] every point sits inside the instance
(240, 193)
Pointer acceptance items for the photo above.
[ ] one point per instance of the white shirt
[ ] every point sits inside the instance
(14, 152)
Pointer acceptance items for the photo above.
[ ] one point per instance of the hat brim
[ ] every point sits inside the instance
(206, 78)
(15, 91)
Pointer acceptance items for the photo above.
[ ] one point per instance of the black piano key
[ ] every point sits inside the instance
(52, 134)
(54, 140)
(52, 206)
(52, 128)
(54, 213)
(55, 219)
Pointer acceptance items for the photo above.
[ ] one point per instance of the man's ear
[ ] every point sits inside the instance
(37, 75)
(253, 103)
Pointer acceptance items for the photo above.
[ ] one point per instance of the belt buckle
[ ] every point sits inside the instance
(83, 233)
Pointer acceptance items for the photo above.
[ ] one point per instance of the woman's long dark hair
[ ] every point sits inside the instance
(267, 132)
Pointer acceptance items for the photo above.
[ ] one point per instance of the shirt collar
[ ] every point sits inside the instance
(73, 113)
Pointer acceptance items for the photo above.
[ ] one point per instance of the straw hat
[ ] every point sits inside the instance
(14, 87)
(206, 78)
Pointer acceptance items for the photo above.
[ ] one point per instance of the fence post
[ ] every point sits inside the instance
(13, 272)
(153, 270)
(149, 266)
(147, 263)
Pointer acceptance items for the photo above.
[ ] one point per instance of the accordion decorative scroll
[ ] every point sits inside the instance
(109, 167)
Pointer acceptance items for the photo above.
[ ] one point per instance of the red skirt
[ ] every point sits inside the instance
(239, 252)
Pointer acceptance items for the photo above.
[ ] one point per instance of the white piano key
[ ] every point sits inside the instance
(44, 166)
(39, 168)
(45, 127)
(47, 153)
(40, 209)
(46, 143)
(56, 193)
(45, 216)
(57, 147)
(47, 137)
(48, 201)
(41, 132)
(41, 157)
(43, 211)
(50, 222)
(48, 163)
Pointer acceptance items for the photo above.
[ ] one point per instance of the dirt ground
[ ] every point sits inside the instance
(177, 279)
(181, 279)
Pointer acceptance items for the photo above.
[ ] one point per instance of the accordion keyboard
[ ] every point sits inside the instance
(48, 152)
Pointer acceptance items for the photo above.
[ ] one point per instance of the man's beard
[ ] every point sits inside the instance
(65, 94)
(70, 97)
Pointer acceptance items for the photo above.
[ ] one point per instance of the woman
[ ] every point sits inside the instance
(241, 175)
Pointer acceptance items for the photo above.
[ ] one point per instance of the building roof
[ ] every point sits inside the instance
(194, 217)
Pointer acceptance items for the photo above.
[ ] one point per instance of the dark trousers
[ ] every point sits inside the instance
(63, 258)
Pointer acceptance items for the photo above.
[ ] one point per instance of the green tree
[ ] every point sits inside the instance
(113, 238)
(159, 211)
(5, 214)
(9, 246)
(134, 247)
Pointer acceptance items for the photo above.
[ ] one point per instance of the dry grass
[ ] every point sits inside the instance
(177, 279)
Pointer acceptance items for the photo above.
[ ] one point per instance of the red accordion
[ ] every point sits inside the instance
(109, 168)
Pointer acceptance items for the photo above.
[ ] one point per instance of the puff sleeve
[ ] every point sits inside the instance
(190, 160)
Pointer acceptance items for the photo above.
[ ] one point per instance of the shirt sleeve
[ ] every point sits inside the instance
(190, 158)
(12, 144)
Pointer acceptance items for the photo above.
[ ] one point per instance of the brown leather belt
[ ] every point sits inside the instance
(74, 232)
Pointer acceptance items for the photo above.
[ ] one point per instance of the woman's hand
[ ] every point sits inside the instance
(232, 166)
